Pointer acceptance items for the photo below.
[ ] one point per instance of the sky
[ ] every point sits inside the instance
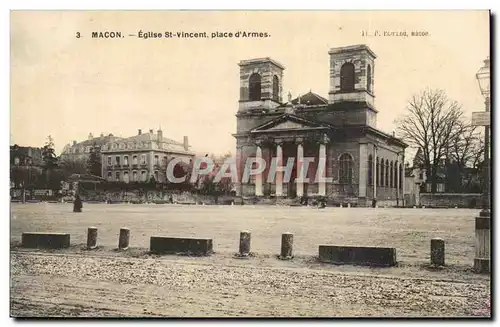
(69, 87)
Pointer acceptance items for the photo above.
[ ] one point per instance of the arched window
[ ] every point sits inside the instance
(382, 172)
(347, 77)
(254, 87)
(345, 171)
(400, 176)
(387, 173)
(276, 88)
(369, 78)
(370, 170)
(391, 174)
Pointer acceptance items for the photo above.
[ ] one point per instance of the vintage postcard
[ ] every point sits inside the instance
(283, 164)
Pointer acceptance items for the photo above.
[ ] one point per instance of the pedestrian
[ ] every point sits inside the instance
(77, 204)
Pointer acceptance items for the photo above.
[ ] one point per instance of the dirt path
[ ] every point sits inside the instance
(45, 284)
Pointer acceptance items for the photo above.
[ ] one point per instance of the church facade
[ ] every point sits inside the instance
(362, 163)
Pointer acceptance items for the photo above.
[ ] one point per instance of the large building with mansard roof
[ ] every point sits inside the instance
(140, 157)
(363, 162)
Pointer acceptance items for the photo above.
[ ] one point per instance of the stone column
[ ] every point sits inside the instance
(437, 252)
(363, 162)
(398, 193)
(92, 238)
(375, 172)
(322, 159)
(403, 186)
(258, 177)
(245, 238)
(124, 238)
(279, 174)
(300, 174)
(238, 185)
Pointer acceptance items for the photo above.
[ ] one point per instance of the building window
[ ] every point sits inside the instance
(156, 161)
(143, 176)
(134, 160)
(117, 174)
(125, 177)
(109, 161)
(370, 170)
(382, 172)
(143, 159)
(347, 77)
(391, 174)
(164, 161)
(346, 165)
(369, 78)
(16, 161)
(276, 88)
(387, 173)
(125, 160)
(134, 176)
(110, 175)
(440, 187)
(254, 87)
(156, 175)
(117, 160)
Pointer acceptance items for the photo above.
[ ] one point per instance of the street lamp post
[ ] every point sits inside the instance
(482, 258)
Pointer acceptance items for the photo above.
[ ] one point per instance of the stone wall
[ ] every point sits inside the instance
(451, 200)
(152, 196)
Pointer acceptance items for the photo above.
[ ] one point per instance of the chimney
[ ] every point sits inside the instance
(160, 135)
(151, 131)
(140, 132)
(186, 143)
(74, 143)
(91, 136)
(102, 134)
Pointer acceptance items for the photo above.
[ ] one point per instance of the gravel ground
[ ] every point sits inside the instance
(407, 230)
(105, 282)
(110, 284)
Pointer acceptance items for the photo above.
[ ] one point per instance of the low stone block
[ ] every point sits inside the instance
(175, 245)
(45, 240)
(366, 256)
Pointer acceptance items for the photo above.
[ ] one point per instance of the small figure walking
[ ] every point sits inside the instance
(77, 204)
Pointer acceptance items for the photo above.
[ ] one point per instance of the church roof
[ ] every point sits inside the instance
(310, 99)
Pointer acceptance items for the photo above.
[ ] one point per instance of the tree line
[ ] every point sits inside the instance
(450, 145)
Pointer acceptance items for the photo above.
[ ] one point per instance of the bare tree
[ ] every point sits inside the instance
(467, 150)
(431, 124)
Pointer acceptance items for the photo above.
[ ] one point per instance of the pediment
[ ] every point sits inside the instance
(288, 122)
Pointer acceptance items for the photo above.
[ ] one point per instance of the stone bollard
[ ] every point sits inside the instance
(482, 244)
(92, 238)
(245, 237)
(286, 246)
(437, 252)
(124, 238)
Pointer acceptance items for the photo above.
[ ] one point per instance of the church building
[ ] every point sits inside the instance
(362, 162)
